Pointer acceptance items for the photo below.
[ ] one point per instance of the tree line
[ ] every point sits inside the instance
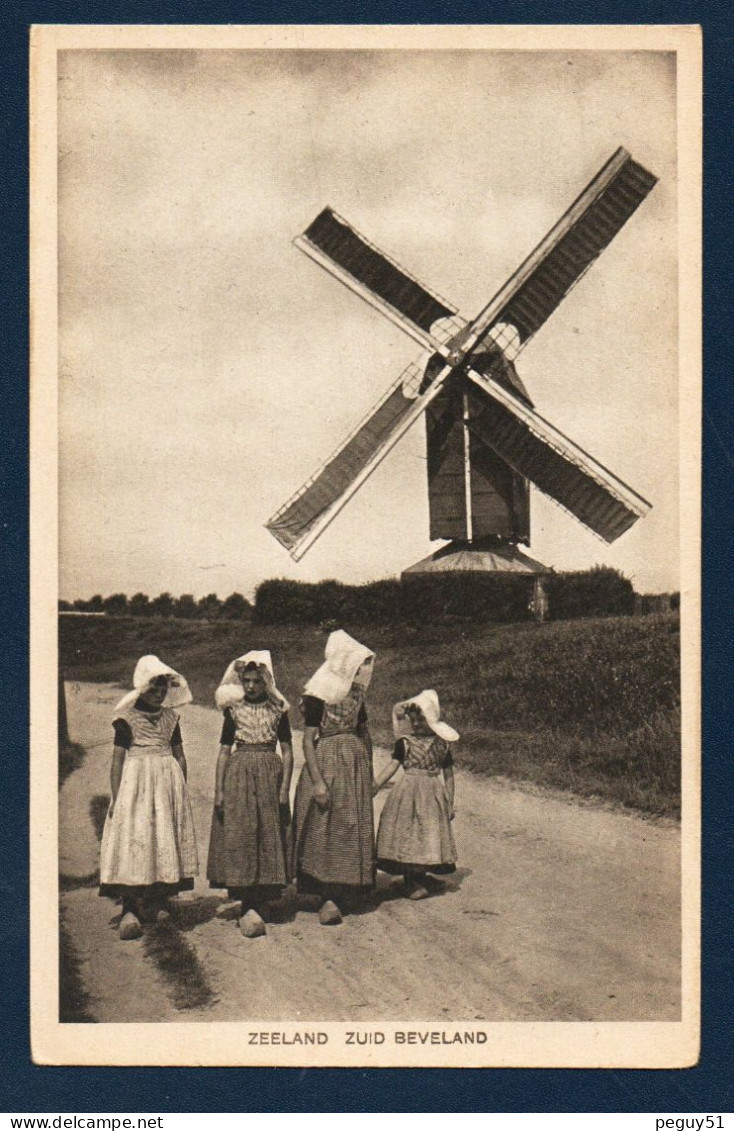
(500, 597)
(211, 607)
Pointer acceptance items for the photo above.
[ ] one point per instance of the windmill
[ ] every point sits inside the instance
(485, 441)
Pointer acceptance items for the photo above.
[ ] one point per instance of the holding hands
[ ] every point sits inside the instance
(321, 794)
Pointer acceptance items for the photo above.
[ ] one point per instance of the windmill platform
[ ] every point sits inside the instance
(485, 555)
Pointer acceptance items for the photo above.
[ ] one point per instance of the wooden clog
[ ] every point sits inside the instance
(130, 927)
(251, 925)
(329, 915)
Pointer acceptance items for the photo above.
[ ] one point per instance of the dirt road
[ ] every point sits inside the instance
(560, 911)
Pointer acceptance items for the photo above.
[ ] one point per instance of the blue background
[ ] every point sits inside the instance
(707, 1087)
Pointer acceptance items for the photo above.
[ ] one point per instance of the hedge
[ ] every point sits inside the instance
(500, 598)
(594, 592)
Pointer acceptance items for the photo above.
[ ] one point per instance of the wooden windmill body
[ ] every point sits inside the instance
(485, 442)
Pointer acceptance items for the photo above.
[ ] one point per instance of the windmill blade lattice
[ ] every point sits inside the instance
(556, 265)
(356, 456)
(372, 274)
(552, 462)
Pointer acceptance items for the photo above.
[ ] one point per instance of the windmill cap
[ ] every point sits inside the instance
(429, 706)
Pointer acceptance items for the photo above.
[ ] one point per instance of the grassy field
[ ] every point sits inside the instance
(591, 706)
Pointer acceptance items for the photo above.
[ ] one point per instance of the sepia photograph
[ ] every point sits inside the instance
(365, 545)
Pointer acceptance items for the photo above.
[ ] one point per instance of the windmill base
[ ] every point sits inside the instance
(485, 555)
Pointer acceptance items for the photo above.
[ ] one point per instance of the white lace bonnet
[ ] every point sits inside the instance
(427, 702)
(230, 690)
(149, 668)
(344, 656)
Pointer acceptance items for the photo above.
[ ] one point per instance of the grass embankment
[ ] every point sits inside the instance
(590, 706)
(74, 1001)
(71, 756)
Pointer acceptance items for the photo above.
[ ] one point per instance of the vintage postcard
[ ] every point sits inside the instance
(366, 400)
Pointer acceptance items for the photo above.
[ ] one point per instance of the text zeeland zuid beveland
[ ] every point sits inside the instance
(409, 1044)
(414, 1036)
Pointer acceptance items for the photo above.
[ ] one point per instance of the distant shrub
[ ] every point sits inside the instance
(162, 605)
(236, 607)
(114, 606)
(597, 592)
(184, 606)
(649, 603)
(139, 605)
(208, 607)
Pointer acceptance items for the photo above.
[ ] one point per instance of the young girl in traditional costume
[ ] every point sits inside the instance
(247, 848)
(148, 845)
(415, 835)
(333, 820)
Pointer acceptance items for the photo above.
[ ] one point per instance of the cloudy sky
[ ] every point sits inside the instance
(207, 366)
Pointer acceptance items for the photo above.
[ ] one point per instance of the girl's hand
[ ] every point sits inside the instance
(321, 795)
(111, 811)
(219, 804)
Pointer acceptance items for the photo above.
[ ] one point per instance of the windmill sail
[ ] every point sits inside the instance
(306, 514)
(538, 286)
(554, 464)
(341, 250)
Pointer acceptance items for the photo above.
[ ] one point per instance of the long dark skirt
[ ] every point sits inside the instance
(150, 892)
(334, 847)
(247, 845)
